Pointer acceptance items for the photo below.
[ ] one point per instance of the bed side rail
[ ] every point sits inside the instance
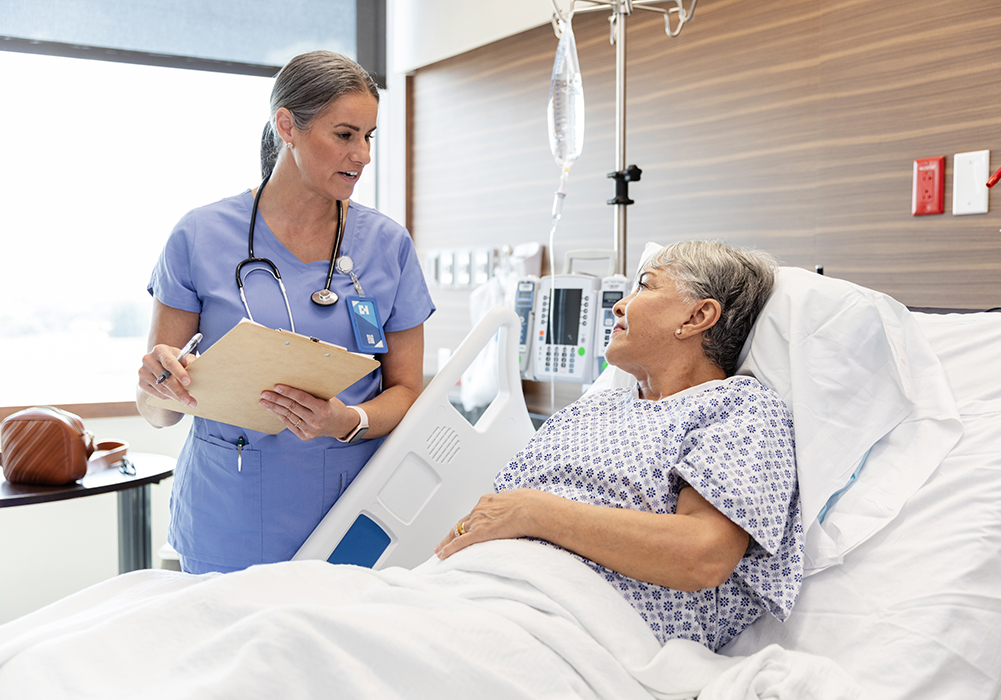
(433, 467)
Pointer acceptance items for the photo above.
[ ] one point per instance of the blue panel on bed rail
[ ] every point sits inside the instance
(362, 545)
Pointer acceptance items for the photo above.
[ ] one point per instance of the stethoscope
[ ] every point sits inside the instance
(323, 297)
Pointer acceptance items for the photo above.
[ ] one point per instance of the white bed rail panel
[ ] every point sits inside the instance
(433, 467)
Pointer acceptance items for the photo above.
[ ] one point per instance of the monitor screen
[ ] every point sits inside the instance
(565, 311)
(609, 299)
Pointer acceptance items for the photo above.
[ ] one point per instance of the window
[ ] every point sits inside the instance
(243, 36)
(101, 161)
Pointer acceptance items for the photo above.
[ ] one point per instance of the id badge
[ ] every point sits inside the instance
(366, 324)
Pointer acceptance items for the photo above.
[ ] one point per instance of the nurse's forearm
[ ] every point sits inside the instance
(154, 415)
(402, 379)
(387, 409)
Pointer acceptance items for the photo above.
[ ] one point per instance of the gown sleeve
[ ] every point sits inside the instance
(742, 461)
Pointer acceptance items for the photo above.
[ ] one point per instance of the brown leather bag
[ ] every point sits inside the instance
(47, 445)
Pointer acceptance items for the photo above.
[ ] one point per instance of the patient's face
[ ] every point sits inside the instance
(647, 320)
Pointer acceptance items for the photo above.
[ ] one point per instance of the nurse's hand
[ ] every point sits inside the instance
(164, 358)
(307, 416)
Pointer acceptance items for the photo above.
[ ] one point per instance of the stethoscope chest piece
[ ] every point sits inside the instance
(324, 297)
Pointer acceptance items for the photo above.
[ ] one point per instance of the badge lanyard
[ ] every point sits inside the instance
(364, 313)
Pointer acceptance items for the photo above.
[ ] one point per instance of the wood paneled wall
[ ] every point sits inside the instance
(788, 125)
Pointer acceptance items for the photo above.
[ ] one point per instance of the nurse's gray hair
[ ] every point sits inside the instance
(305, 86)
(740, 280)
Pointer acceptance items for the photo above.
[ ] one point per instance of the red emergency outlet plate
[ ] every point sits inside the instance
(928, 195)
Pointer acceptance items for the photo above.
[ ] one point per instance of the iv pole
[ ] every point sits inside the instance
(624, 175)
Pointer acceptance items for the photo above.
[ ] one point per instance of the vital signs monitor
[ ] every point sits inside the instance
(564, 349)
(613, 288)
(524, 306)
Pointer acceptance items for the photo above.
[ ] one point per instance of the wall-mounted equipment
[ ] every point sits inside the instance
(446, 268)
(463, 269)
(928, 186)
(483, 261)
(460, 268)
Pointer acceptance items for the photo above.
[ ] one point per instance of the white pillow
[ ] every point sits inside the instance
(872, 411)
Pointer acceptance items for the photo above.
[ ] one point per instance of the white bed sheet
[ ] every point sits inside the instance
(503, 619)
(969, 347)
(915, 612)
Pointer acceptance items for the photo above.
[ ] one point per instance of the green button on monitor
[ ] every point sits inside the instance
(580, 351)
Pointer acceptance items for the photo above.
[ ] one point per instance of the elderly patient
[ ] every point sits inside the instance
(682, 491)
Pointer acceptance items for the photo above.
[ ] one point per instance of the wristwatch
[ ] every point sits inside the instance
(359, 431)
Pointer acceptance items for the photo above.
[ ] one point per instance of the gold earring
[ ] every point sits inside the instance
(678, 332)
(288, 144)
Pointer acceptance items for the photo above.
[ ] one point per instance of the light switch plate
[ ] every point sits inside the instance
(969, 182)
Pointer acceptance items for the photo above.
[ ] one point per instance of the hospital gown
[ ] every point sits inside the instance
(731, 440)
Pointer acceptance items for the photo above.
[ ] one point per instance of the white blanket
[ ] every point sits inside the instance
(503, 619)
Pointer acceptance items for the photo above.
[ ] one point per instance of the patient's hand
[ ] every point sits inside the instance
(693, 548)
(497, 516)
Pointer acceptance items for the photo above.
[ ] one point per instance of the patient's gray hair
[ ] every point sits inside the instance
(740, 280)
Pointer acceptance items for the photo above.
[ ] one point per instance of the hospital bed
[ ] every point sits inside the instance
(898, 428)
(901, 462)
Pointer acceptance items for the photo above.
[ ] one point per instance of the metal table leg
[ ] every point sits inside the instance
(135, 550)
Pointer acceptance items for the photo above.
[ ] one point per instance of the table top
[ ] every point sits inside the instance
(150, 469)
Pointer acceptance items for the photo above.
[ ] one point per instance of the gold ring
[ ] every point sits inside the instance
(460, 529)
(297, 423)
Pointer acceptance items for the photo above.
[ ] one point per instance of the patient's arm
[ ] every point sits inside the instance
(697, 547)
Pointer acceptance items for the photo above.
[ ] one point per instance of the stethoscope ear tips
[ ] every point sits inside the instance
(324, 297)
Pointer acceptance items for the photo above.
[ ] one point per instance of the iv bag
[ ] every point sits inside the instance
(566, 102)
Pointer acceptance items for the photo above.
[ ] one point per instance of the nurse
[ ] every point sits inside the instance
(242, 497)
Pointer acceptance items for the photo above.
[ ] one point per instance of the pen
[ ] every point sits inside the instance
(188, 347)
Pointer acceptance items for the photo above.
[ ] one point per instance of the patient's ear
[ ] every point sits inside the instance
(707, 312)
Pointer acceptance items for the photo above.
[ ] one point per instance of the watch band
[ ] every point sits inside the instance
(359, 431)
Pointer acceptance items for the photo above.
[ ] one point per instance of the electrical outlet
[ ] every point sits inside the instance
(928, 191)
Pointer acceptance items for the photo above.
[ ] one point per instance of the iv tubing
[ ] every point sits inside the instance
(558, 198)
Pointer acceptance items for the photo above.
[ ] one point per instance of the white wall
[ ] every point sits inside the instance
(427, 31)
(422, 32)
(51, 550)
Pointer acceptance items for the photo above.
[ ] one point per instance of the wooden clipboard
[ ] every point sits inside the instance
(228, 378)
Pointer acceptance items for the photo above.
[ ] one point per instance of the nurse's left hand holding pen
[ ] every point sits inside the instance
(188, 347)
